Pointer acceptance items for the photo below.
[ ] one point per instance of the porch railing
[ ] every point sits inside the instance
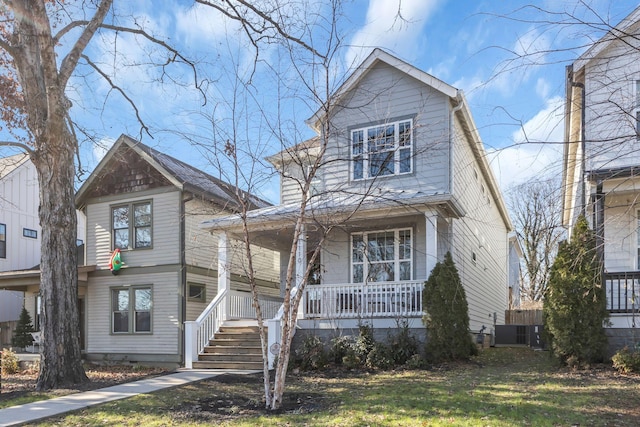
(623, 291)
(226, 305)
(357, 300)
(241, 306)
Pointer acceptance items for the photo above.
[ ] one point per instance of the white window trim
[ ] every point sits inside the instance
(636, 107)
(396, 150)
(396, 253)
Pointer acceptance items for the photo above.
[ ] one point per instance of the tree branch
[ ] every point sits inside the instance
(119, 89)
(25, 147)
(268, 19)
(70, 61)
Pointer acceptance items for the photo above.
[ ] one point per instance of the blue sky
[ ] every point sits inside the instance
(472, 45)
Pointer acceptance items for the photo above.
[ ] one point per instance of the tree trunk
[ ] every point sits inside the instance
(46, 109)
(61, 357)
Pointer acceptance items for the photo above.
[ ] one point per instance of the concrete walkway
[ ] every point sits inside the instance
(32, 412)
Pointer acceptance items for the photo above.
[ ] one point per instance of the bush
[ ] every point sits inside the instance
(446, 315)
(9, 362)
(403, 345)
(311, 355)
(341, 347)
(365, 342)
(380, 357)
(575, 301)
(627, 360)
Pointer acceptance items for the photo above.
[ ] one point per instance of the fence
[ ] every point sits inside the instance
(523, 317)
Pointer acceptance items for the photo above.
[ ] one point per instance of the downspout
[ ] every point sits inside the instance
(451, 141)
(583, 163)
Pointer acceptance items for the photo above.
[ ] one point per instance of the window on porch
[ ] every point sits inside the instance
(381, 256)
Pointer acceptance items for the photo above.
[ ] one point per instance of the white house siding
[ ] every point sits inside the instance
(165, 232)
(481, 231)
(621, 238)
(385, 94)
(164, 339)
(19, 200)
(290, 182)
(611, 99)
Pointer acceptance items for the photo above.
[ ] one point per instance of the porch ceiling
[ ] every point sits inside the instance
(20, 280)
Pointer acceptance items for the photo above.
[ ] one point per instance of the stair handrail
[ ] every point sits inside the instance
(198, 332)
(274, 332)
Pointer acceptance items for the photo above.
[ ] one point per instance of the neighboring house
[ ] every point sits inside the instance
(19, 231)
(515, 272)
(404, 180)
(149, 205)
(601, 175)
(20, 235)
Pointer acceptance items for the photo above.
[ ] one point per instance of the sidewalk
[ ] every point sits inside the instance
(35, 411)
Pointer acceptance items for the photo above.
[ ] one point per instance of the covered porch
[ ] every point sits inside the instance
(372, 264)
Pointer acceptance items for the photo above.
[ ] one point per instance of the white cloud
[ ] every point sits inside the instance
(384, 28)
(536, 150)
(542, 88)
(101, 147)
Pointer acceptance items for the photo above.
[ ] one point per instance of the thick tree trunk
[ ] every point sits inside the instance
(61, 356)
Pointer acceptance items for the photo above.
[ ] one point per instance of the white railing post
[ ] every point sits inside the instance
(273, 340)
(190, 343)
(301, 266)
(224, 271)
(431, 232)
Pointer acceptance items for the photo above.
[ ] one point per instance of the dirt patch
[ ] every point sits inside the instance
(225, 403)
(24, 382)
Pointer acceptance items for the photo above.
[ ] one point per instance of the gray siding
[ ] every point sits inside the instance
(385, 95)
(165, 321)
(165, 233)
(483, 232)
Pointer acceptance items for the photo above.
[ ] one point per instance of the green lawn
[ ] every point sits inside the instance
(501, 387)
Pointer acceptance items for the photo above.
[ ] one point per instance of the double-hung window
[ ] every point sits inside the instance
(131, 310)
(382, 150)
(381, 256)
(131, 225)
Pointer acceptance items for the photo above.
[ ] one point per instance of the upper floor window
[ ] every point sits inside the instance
(32, 234)
(131, 225)
(382, 150)
(3, 240)
(381, 256)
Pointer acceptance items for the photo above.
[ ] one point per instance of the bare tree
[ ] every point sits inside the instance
(42, 44)
(536, 213)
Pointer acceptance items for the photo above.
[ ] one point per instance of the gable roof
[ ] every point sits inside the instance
(185, 177)
(616, 33)
(379, 55)
(11, 163)
(456, 98)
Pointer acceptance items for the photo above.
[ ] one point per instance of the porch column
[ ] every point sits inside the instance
(224, 270)
(301, 265)
(431, 236)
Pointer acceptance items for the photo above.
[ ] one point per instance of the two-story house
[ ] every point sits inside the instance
(20, 239)
(404, 178)
(149, 205)
(601, 164)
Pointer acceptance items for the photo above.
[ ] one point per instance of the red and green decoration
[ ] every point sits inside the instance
(115, 262)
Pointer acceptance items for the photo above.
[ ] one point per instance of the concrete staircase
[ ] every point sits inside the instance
(235, 346)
